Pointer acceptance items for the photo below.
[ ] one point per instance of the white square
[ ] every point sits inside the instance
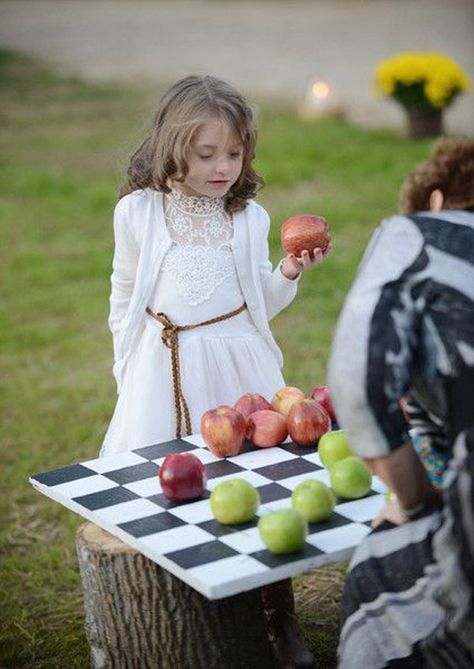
(202, 454)
(122, 513)
(113, 462)
(145, 487)
(250, 476)
(378, 485)
(197, 512)
(195, 439)
(85, 486)
(205, 456)
(176, 539)
(227, 570)
(244, 541)
(361, 510)
(339, 538)
(277, 504)
(262, 457)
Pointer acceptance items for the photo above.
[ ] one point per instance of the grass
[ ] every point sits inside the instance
(65, 145)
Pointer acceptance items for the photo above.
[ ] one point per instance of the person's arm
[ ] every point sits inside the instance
(405, 476)
(279, 284)
(372, 359)
(124, 267)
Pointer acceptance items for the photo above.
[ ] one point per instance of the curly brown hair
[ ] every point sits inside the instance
(183, 110)
(450, 169)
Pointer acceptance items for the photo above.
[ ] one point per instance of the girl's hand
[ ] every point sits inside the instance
(291, 266)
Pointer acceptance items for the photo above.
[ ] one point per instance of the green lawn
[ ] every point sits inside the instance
(65, 146)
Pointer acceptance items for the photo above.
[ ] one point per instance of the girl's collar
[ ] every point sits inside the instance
(198, 205)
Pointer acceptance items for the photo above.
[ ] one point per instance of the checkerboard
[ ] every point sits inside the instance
(122, 494)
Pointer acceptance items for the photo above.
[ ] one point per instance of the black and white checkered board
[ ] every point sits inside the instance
(122, 494)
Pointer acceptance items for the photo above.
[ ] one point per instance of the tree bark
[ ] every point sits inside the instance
(139, 616)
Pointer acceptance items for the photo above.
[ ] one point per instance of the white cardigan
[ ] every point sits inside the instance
(141, 243)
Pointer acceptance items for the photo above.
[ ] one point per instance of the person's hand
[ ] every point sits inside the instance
(392, 512)
(291, 266)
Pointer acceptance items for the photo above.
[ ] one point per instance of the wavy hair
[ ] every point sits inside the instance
(183, 110)
(449, 169)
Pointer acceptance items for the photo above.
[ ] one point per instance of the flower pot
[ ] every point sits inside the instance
(423, 122)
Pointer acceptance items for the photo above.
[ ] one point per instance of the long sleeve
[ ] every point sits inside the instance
(278, 291)
(373, 351)
(124, 266)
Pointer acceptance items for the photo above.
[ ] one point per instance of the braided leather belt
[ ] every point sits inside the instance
(169, 337)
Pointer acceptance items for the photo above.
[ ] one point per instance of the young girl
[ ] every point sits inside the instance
(191, 251)
(191, 244)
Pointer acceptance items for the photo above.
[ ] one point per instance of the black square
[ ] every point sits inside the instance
(271, 560)
(133, 473)
(165, 503)
(271, 492)
(156, 451)
(335, 520)
(151, 524)
(291, 447)
(222, 468)
(64, 475)
(220, 530)
(283, 470)
(201, 554)
(103, 498)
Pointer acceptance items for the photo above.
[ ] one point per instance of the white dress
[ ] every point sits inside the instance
(218, 363)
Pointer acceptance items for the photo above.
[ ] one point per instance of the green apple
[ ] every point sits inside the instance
(283, 531)
(234, 501)
(314, 500)
(333, 446)
(350, 478)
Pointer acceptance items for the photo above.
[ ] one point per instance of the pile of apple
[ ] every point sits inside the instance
(267, 424)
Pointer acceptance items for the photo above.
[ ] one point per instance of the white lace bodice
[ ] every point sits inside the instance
(200, 258)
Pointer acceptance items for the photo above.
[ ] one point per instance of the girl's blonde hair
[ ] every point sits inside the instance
(190, 103)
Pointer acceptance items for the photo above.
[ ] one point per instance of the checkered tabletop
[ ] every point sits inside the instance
(122, 494)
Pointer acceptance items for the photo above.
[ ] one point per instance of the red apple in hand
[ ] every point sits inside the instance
(284, 399)
(307, 422)
(304, 232)
(182, 477)
(321, 395)
(223, 429)
(266, 428)
(250, 402)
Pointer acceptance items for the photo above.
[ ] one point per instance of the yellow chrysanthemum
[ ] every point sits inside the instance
(441, 77)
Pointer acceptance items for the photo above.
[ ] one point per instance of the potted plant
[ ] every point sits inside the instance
(424, 84)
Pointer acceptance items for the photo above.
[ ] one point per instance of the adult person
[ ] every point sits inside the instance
(407, 327)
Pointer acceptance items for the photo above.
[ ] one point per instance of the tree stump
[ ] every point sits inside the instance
(140, 616)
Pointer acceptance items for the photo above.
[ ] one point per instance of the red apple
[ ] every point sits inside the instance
(223, 429)
(321, 395)
(304, 232)
(307, 422)
(284, 399)
(266, 428)
(182, 477)
(250, 402)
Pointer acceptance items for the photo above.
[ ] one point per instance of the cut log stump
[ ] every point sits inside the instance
(140, 616)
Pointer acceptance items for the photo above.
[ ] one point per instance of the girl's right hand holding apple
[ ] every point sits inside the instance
(291, 266)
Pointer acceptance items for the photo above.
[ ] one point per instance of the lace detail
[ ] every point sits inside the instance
(197, 220)
(200, 257)
(198, 270)
(195, 204)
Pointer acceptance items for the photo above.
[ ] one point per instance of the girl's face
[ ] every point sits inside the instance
(215, 160)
